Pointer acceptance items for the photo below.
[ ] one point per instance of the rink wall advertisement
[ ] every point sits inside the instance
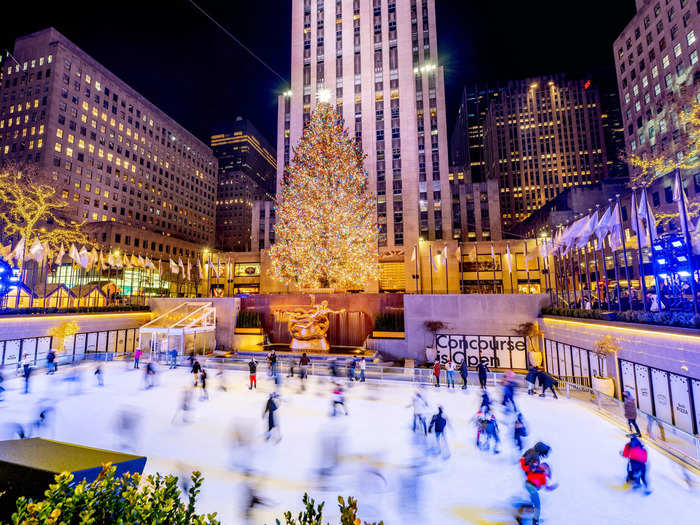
(495, 351)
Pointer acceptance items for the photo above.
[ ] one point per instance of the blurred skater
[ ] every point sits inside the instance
(252, 369)
(420, 408)
(530, 378)
(26, 371)
(548, 383)
(519, 431)
(173, 359)
(509, 383)
(149, 375)
(196, 368)
(491, 432)
(438, 423)
(182, 412)
(271, 407)
(338, 400)
(99, 375)
(482, 371)
(485, 401)
(436, 373)
(304, 363)
(636, 454)
(51, 362)
(631, 411)
(351, 369)
(203, 384)
(363, 367)
(221, 377)
(464, 373)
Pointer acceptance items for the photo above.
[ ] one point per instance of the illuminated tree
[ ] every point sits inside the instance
(31, 209)
(326, 228)
(682, 117)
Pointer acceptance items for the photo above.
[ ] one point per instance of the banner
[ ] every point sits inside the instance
(493, 350)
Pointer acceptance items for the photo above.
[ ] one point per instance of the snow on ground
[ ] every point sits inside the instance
(381, 464)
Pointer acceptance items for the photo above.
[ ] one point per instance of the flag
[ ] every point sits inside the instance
(149, 264)
(174, 268)
(493, 256)
(37, 250)
(413, 254)
(615, 227)
(84, 257)
(142, 262)
(134, 261)
(433, 259)
(636, 224)
(101, 260)
(181, 266)
(602, 228)
(444, 254)
(510, 269)
(646, 215)
(126, 262)
(61, 253)
(568, 237)
(74, 254)
(189, 270)
(586, 231)
(18, 252)
(687, 226)
(199, 269)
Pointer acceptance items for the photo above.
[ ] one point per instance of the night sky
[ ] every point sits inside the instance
(185, 65)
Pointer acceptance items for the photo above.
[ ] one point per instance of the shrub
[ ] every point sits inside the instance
(128, 499)
(389, 322)
(313, 514)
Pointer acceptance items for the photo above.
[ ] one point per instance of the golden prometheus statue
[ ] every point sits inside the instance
(308, 326)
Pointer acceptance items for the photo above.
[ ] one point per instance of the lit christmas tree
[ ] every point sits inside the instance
(326, 227)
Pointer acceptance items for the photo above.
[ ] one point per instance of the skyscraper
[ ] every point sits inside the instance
(377, 60)
(655, 55)
(247, 170)
(543, 135)
(114, 156)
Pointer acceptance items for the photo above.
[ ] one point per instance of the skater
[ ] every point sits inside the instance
(450, 367)
(491, 430)
(173, 359)
(420, 407)
(438, 422)
(482, 370)
(26, 371)
(436, 373)
(203, 383)
(291, 367)
(270, 408)
(334, 368)
(149, 375)
(536, 475)
(51, 362)
(480, 421)
(338, 400)
(196, 368)
(137, 356)
(631, 411)
(635, 452)
(363, 366)
(304, 363)
(485, 401)
(99, 375)
(351, 369)
(182, 412)
(463, 373)
(531, 377)
(547, 382)
(519, 431)
(2, 388)
(509, 391)
(221, 379)
(272, 363)
(252, 368)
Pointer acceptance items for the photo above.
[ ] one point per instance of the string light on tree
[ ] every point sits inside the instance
(326, 228)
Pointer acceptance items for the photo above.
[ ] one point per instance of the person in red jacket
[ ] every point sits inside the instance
(635, 452)
(536, 476)
(436, 373)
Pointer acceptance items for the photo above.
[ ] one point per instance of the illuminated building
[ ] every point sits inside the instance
(378, 59)
(247, 170)
(543, 135)
(476, 207)
(115, 157)
(655, 54)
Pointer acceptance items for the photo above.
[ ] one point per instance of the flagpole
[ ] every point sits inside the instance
(651, 223)
(688, 241)
(527, 267)
(417, 252)
(556, 272)
(573, 276)
(476, 256)
(640, 254)
(624, 251)
(510, 266)
(580, 280)
(562, 261)
(430, 253)
(447, 287)
(617, 271)
(493, 260)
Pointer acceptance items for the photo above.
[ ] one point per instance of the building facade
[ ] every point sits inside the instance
(543, 135)
(476, 207)
(379, 60)
(247, 172)
(655, 55)
(113, 156)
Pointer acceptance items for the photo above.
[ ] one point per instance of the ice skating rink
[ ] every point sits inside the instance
(379, 460)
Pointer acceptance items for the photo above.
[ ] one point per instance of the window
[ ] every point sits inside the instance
(657, 89)
(654, 71)
(677, 50)
(666, 61)
(694, 57)
(690, 37)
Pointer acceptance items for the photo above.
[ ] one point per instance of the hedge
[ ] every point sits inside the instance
(679, 319)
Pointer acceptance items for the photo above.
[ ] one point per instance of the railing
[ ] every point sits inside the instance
(672, 439)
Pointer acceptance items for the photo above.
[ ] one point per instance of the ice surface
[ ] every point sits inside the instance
(380, 462)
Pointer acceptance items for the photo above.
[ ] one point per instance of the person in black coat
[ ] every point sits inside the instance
(463, 372)
(547, 382)
(482, 370)
(531, 377)
(196, 368)
(270, 408)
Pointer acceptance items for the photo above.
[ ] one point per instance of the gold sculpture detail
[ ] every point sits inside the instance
(308, 326)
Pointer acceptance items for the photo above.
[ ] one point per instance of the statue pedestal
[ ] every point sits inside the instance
(318, 345)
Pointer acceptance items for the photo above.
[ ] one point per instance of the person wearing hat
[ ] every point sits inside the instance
(631, 411)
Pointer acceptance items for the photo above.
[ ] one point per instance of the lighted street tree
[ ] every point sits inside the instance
(31, 209)
(326, 228)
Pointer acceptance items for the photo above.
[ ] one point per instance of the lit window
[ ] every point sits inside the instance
(39, 143)
(71, 138)
(81, 144)
(694, 57)
(627, 98)
(657, 89)
(690, 37)
(59, 133)
(69, 152)
(58, 147)
(91, 148)
(645, 81)
(637, 106)
(98, 86)
(41, 129)
(88, 79)
(635, 90)
(677, 50)
(666, 61)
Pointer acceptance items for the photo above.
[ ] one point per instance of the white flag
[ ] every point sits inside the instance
(683, 213)
(181, 266)
(602, 228)
(586, 231)
(84, 257)
(636, 224)
(189, 270)
(18, 252)
(413, 254)
(174, 268)
(74, 254)
(37, 251)
(615, 227)
(646, 215)
(510, 269)
(199, 269)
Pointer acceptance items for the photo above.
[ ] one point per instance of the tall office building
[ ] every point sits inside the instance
(543, 135)
(114, 156)
(655, 55)
(247, 171)
(379, 60)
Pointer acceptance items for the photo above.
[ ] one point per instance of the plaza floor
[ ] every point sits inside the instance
(381, 464)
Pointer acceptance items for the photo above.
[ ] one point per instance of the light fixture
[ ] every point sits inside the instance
(287, 94)
(324, 95)
(534, 85)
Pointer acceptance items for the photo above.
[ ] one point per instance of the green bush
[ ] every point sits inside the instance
(389, 322)
(128, 499)
(38, 310)
(313, 514)
(249, 319)
(679, 319)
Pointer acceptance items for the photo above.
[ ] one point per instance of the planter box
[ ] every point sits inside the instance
(388, 335)
(604, 385)
(255, 331)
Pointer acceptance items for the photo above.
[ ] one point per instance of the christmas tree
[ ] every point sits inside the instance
(326, 228)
